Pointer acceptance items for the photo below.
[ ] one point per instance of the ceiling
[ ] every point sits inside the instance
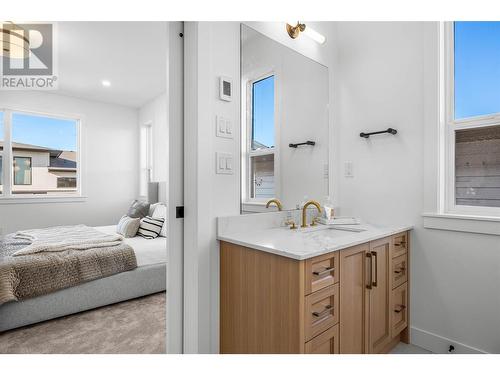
(130, 55)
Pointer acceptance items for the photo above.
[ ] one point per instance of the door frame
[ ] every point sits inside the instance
(175, 188)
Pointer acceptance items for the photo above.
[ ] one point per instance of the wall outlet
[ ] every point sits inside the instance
(348, 169)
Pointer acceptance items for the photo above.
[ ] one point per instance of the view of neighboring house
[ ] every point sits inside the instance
(40, 170)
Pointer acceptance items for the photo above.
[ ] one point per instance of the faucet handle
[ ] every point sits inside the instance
(315, 221)
(291, 223)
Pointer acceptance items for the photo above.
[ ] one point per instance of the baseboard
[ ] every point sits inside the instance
(438, 344)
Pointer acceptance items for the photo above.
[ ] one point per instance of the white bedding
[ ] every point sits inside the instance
(147, 252)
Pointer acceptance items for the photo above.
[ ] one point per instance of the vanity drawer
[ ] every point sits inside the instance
(321, 311)
(325, 343)
(399, 244)
(399, 270)
(321, 271)
(399, 309)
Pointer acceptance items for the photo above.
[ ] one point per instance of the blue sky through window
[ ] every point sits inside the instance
(263, 112)
(57, 134)
(477, 68)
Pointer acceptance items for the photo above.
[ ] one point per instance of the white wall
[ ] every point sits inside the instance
(301, 114)
(155, 112)
(110, 163)
(387, 77)
(211, 51)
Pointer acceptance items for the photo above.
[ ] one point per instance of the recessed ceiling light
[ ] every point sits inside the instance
(106, 83)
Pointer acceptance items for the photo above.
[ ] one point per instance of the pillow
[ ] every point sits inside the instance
(160, 211)
(138, 209)
(150, 227)
(128, 226)
(152, 208)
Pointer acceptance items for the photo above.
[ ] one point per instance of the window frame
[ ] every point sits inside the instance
(248, 153)
(7, 197)
(449, 126)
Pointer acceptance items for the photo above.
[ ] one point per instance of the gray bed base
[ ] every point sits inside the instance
(116, 288)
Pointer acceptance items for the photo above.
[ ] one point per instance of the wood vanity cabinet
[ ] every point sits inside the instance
(349, 301)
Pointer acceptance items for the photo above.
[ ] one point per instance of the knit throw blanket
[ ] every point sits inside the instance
(37, 262)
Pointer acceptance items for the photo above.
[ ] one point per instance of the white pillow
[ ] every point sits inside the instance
(153, 207)
(160, 211)
(128, 226)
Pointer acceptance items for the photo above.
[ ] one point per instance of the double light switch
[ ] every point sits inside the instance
(224, 163)
(224, 127)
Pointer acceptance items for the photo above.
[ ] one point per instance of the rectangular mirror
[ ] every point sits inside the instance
(285, 135)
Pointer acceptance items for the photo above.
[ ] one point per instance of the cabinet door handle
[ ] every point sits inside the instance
(401, 308)
(324, 272)
(327, 309)
(400, 270)
(369, 284)
(374, 253)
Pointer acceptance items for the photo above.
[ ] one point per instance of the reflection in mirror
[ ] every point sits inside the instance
(284, 101)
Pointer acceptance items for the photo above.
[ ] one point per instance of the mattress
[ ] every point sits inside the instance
(149, 277)
(147, 252)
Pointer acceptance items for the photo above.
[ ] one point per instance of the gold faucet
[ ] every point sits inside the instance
(276, 202)
(304, 209)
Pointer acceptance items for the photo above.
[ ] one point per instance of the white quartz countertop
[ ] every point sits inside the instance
(309, 242)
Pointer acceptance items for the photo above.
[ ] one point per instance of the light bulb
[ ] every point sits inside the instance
(314, 35)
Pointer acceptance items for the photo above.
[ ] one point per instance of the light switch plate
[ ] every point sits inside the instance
(224, 163)
(223, 127)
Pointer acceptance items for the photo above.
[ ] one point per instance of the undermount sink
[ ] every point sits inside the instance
(322, 232)
(330, 231)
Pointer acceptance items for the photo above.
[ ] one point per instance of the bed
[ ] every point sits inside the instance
(149, 277)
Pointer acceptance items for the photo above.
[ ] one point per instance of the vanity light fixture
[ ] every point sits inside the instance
(294, 32)
(15, 44)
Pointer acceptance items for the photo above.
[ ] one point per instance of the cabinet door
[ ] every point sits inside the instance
(380, 295)
(354, 298)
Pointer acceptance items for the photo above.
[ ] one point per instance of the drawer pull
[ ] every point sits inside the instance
(400, 270)
(369, 284)
(324, 272)
(400, 244)
(327, 309)
(374, 254)
(401, 308)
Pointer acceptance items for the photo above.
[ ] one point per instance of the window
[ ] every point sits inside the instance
(66, 182)
(261, 160)
(146, 158)
(472, 126)
(40, 155)
(22, 170)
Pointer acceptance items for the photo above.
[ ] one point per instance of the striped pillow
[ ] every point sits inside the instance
(150, 227)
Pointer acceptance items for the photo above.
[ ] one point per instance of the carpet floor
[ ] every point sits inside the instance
(137, 326)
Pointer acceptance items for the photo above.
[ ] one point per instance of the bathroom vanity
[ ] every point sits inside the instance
(312, 290)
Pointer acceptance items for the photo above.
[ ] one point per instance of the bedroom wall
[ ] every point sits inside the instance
(110, 163)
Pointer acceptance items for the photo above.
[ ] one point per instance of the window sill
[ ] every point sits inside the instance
(256, 207)
(41, 200)
(463, 223)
